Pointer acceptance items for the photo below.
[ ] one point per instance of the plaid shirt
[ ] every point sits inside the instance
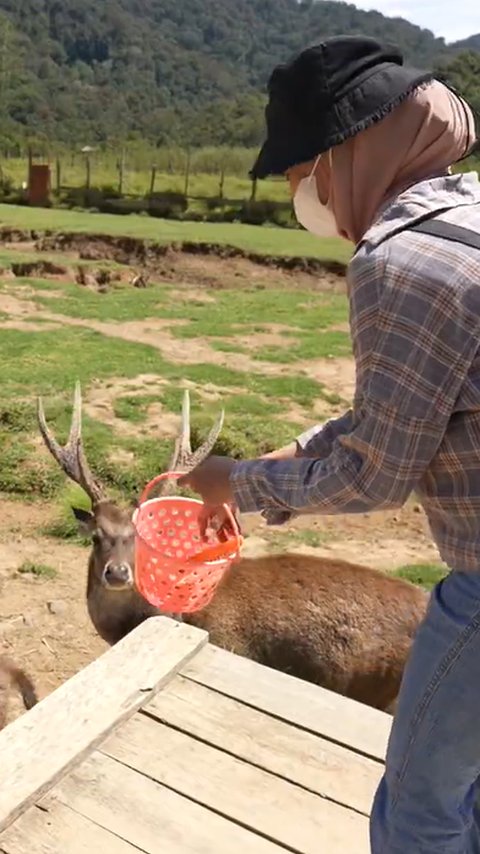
(415, 421)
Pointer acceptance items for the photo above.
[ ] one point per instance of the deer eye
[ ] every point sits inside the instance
(99, 537)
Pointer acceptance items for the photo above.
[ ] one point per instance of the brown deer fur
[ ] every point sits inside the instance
(342, 626)
(12, 676)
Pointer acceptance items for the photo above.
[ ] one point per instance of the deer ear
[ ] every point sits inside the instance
(85, 519)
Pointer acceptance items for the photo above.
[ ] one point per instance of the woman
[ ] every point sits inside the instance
(367, 145)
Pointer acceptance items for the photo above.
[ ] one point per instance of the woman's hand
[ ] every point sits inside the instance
(211, 480)
(288, 452)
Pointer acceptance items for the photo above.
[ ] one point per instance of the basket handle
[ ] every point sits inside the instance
(217, 552)
(158, 479)
(209, 549)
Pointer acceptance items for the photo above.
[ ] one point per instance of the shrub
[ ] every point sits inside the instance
(167, 205)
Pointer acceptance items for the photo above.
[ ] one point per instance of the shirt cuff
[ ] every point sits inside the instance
(304, 438)
(247, 495)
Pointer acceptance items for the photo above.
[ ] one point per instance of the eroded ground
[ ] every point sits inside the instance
(269, 343)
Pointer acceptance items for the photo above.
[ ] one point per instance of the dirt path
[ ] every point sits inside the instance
(44, 623)
(337, 375)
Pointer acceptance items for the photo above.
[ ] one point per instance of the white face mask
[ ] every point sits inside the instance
(315, 217)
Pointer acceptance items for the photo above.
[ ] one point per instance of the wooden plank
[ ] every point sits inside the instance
(150, 816)
(40, 745)
(330, 715)
(278, 810)
(56, 829)
(305, 759)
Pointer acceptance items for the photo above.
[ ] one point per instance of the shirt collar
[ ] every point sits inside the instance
(421, 200)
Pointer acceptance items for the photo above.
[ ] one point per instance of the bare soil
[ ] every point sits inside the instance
(43, 622)
(202, 265)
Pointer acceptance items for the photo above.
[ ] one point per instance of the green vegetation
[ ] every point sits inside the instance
(38, 570)
(279, 540)
(311, 346)
(266, 240)
(233, 311)
(49, 361)
(425, 574)
(89, 73)
(264, 408)
(64, 525)
(463, 71)
(133, 408)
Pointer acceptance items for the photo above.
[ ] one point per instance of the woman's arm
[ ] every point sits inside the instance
(426, 339)
(316, 442)
(319, 440)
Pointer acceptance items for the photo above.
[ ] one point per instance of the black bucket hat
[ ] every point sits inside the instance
(328, 93)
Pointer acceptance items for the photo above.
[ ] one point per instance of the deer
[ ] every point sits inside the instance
(345, 627)
(12, 676)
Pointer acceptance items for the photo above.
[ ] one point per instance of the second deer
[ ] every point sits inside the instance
(12, 676)
(343, 626)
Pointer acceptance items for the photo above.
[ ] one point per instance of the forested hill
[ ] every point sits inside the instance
(193, 71)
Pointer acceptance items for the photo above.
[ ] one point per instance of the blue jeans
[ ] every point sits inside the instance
(426, 801)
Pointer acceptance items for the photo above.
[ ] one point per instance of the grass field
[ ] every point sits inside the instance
(204, 178)
(269, 346)
(137, 177)
(261, 239)
(265, 344)
(89, 352)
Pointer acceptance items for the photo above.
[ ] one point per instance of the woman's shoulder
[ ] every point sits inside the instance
(447, 251)
(427, 269)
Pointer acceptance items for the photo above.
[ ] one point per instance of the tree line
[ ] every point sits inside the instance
(80, 72)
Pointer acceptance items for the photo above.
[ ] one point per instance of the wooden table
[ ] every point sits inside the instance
(168, 745)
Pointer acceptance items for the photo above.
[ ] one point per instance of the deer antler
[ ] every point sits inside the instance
(184, 459)
(71, 457)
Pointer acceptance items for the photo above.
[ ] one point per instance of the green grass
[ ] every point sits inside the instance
(9, 257)
(119, 304)
(64, 525)
(58, 358)
(311, 346)
(227, 346)
(38, 570)
(61, 357)
(281, 540)
(19, 256)
(233, 313)
(239, 312)
(48, 362)
(264, 240)
(424, 574)
(137, 179)
(133, 408)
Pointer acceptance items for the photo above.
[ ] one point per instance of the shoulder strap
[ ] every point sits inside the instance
(455, 233)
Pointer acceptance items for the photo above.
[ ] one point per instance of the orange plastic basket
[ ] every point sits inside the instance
(175, 568)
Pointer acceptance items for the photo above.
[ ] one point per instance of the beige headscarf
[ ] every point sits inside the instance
(419, 139)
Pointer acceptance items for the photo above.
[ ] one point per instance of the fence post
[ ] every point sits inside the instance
(152, 180)
(30, 162)
(187, 173)
(58, 174)
(121, 170)
(222, 182)
(87, 170)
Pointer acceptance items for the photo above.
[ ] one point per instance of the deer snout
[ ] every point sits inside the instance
(117, 575)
